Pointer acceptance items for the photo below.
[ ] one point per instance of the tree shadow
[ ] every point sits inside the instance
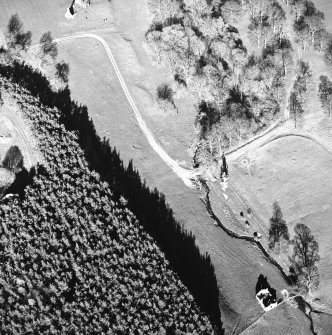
(22, 180)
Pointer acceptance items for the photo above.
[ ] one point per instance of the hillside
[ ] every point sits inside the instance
(73, 259)
(230, 68)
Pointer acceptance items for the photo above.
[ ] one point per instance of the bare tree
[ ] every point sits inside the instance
(47, 46)
(284, 50)
(328, 51)
(231, 11)
(308, 279)
(296, 109)
(305, 257)
(325, 94)
(303, 80)
(314, 19)
(15, 35)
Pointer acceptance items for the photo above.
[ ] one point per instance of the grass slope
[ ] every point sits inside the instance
(297, 173)
(74, 260)
(113, 118)
(284, 319)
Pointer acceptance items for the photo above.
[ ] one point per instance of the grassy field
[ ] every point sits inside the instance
(41, 16)
(273, 322)
(326, 7)
(93, 83)
(297, 173)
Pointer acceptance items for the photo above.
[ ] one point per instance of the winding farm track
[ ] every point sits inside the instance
(307, 135)
(188, 175)
(185, 174)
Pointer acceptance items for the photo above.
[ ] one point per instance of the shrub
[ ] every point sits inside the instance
(165, 92)
(62, 71)
(48, 47)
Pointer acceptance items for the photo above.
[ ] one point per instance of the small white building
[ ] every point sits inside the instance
(266, 300)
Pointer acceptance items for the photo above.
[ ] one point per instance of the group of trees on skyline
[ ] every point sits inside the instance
(16, 38)
(305, 251)
(18, 41)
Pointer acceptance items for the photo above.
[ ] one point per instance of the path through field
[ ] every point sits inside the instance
(185, 174)
(226, 252)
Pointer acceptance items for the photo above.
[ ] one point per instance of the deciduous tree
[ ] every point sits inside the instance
(305, 247)
(48, 46)
(325, 94)
(15, 35)
(308, 279)
(62, 71)
(328, 51)
(305, 257)
(296, 109)
(231, 11)
(278, 226)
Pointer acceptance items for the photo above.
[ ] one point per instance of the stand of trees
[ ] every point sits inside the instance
(267, 22)
(17, 41)
(236, 95)
(48, 47)
(303, 270)
(195, 270)
(308, 26)
(16, 38)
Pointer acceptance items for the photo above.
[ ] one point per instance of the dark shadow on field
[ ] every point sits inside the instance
(195, 270)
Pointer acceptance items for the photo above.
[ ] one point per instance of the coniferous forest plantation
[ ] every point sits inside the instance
(87, 267)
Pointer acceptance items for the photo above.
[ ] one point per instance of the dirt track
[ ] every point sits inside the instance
(185, 174)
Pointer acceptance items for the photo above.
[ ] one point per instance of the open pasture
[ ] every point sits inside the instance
(297, 173)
